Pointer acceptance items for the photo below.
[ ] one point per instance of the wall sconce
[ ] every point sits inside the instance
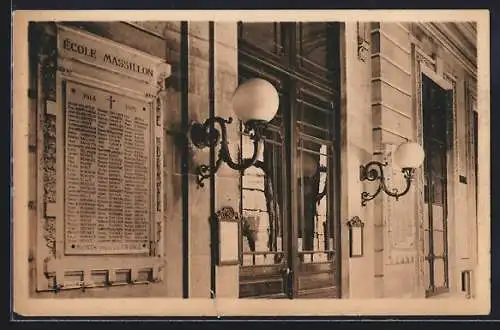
(255, 103)
(408, 156)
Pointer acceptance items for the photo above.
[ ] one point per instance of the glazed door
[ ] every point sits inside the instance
(289, 204)
(289, 200)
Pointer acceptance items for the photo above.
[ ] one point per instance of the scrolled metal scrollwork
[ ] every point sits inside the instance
(355, 222)
(374, 171)
(227, 213)
(206, 135)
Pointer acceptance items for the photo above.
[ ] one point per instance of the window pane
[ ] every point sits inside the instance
(437, 217)
(427, 277)
(437, 192)
(437, 160)
(315, 116)
(262, 198)
(262, 35)
(436, 172)
(427, 242)
(435, 112)
(438, 242)
(308, 185)
(439, 273)
(313, 43)
(314, 220)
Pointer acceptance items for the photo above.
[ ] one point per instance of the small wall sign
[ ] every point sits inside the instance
(355, 237)
(227, 222)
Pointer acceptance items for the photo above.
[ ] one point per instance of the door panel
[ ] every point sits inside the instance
(262, 281)
(320, 275)
(315, 165)
(264, 262)
(289, 206)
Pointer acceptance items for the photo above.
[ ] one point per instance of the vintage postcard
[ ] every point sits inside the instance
(251, 163)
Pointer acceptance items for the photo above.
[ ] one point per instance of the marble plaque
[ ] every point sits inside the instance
(108, 172)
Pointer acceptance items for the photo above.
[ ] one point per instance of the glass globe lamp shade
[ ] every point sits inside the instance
(409, 155)
(255, 100)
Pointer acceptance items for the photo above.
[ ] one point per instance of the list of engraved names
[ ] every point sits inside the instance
(107, 172)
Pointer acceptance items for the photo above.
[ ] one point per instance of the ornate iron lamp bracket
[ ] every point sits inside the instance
(206, 135)
(374, 171)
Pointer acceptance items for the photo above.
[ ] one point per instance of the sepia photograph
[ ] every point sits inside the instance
(236, 163)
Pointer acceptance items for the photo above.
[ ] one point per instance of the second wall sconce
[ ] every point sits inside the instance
(408, 156)
(255, 103)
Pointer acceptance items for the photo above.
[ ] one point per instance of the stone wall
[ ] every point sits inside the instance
(393, 123)
(163, 39)
(358, 274)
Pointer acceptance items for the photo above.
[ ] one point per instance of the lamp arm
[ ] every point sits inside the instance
(224, 151)
(206, 171)
(394, 193)
(373, 174)
(378, 174)
(365, 196)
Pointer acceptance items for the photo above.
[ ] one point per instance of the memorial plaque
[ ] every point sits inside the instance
(91, 50)
(108, 172)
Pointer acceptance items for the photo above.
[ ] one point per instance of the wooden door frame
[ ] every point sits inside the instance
(431, 69)
(292, 74)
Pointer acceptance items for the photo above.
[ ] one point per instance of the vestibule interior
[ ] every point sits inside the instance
(349, 93)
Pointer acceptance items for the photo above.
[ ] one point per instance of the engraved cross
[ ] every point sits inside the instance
(111, 101)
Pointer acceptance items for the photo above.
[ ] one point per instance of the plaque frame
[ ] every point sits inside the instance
(55, 269)
(227, 219)
(356, 237)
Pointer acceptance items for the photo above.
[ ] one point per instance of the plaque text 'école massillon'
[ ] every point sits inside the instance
(91, 51)
(108, 172)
